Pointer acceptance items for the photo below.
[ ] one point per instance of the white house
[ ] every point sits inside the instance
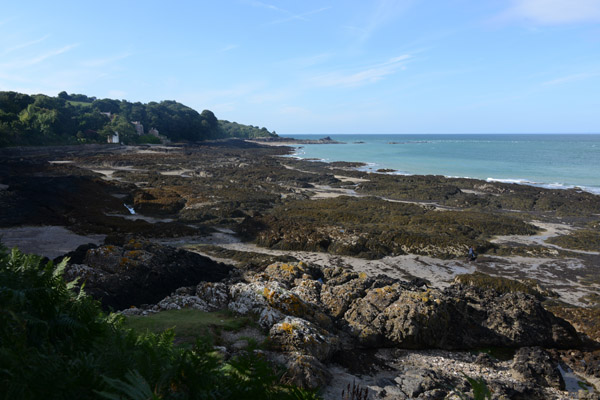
(114, 138)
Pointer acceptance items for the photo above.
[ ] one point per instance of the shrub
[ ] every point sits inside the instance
(56, 343)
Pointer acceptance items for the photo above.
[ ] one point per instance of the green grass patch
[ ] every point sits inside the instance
(499, 353)
(188, 322)
(79, 103)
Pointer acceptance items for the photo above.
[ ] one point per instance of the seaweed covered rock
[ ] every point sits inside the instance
(370, 227)
(158, 201)
(519, 319)
(457, 318)
(141, 272)
(505, 285)
(534, 364)
(584, 362)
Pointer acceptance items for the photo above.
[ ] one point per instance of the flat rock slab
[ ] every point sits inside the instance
(47, 241)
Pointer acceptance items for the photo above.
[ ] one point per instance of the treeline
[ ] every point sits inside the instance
(233, 129)
(77, 118)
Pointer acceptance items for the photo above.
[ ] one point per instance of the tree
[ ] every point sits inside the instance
(107, 105)
(125, 129)
(13, 102)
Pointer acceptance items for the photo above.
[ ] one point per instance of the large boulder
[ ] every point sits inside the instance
(510, 319)
(298, 335)
(141, 272)
(457, 318)
(249, 298)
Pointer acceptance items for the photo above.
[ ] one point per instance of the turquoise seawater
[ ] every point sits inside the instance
(547, 160)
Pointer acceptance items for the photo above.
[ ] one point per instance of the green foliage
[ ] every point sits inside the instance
(148, 139)
(187, 322)
(76, 98)
(77, 118)
(480, 389)
(233, 129)
(119, 124)
(133, 387)
(56, 343)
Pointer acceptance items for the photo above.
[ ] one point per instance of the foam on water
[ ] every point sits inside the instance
(569, 161)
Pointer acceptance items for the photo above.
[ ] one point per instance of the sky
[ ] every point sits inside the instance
(323, 67)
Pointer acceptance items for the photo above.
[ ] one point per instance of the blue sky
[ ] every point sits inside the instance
(339, 66)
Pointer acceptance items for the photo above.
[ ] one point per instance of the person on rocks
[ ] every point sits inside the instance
(472, 256)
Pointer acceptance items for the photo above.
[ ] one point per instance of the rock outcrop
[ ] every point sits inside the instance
(534, 364)
(457, 318)
(141, 272)
(315, 316)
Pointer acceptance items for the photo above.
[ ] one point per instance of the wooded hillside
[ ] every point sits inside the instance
(77, 118)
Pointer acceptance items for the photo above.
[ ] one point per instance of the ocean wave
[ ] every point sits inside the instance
(504, 180)
(555, 185)
(372, 167)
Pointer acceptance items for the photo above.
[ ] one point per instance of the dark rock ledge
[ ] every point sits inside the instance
(315, 317)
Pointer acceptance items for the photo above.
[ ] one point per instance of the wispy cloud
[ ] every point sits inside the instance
(289, 15)
(385, 12)
(100, 62)
(306, 61)
(554, 12)
(299, 17)
(28, 62)
(260, 4)
(571, 78)
(226, 97)
(370, 74)
(24, 45)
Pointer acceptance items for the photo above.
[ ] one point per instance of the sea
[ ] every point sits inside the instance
(557, 161)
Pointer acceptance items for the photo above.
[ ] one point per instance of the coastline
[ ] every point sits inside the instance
(211, 200)
(351, 181)
(394, 152)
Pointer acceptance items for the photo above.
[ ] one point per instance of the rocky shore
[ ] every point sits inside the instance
(283, 141)
(351, 276)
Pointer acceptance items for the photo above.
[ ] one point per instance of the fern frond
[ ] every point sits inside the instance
(134, 387)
